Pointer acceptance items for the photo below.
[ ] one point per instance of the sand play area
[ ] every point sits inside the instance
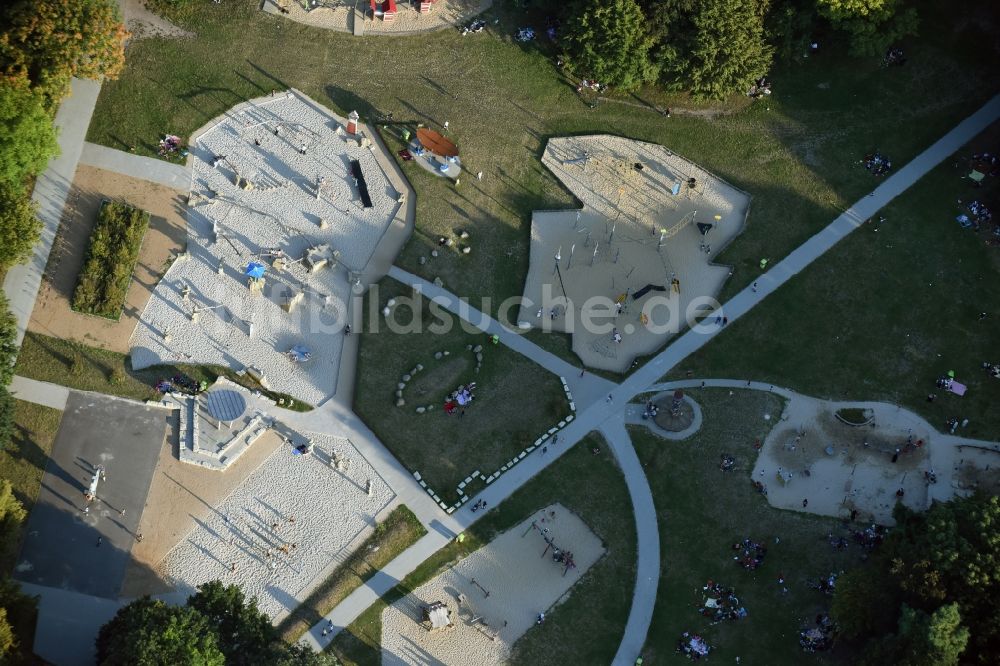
(493, 596)
(851, 467)
(650, 226)
(286, 209)
(282, 529)
(341, 16)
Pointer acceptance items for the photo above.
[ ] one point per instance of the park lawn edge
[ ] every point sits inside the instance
(84, 368)
(400, 530)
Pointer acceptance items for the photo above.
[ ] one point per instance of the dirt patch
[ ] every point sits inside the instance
(143, 23)
(667, 421)
(180, 496)
(165, 237)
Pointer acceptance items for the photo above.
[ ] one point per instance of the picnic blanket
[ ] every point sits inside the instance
(957, 388)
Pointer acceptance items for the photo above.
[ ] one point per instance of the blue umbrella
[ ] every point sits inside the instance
(255, 270)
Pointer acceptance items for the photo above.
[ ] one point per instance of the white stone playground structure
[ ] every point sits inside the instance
(281, 531)
(650, 225)
(287, 205)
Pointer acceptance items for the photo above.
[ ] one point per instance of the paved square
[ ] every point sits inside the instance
(61, 547)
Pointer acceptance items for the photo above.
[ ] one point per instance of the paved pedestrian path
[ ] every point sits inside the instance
(171, 175)
(40, 393)
(51, 190)
(647, 569)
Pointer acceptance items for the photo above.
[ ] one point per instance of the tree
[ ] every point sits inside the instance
(300, 655)
(8, 342)
(148, 632)
(949, 555)
(50, 41)
(871, 25)
(931, 640)
(244, 633)
(607, 40)
(8, 641)
(19, 227)
(11, 510)
(27, 138)
(722, 53)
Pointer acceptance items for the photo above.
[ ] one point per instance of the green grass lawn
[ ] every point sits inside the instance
(895, 309)
(22, 462)
(585, 628)
(86, 368)
(400, 530)
(516, 400)
(796, 152)
(702, 511)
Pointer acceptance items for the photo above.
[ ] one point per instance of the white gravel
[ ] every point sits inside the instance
(330, 510)
(281, 211)
(521, 584)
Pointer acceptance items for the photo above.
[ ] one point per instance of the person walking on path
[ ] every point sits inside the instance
(610, 397)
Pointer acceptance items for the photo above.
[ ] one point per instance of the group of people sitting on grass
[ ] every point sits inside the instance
(749, 553)
(870, 537)
(825, 585)
(591, 85)
(726, 462)
(980, 212)
(460, 398)
(759, 88)
(692, 646)
(877, 163)
(992, 369)
(180, 384)
(820, 637)
(894, 56)
(721, 603)
(759, 487)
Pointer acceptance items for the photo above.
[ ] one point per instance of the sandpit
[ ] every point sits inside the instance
(289, 201)
(408, 20)
(649, 219)
(849, 467)
(522, 582)
(289, 500)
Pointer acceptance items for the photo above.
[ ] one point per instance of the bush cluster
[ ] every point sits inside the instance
(103, 282)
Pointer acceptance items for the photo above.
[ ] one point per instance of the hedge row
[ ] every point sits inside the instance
(103, 282)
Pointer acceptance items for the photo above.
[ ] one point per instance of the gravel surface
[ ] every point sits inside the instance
(233, 226)
(289, 500)
(521, 585)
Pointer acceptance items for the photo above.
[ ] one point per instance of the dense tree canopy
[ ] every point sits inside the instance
(607, 40)
(217, 626)
(19, 227)
(244, 633)
(148, 632)
(934, 582)
(27, 138)
(723, 51)
(871, 25)
(48, 42)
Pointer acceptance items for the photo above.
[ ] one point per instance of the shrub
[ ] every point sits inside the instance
(103, 282)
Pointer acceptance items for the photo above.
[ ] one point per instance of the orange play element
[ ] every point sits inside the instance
(437, 144)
